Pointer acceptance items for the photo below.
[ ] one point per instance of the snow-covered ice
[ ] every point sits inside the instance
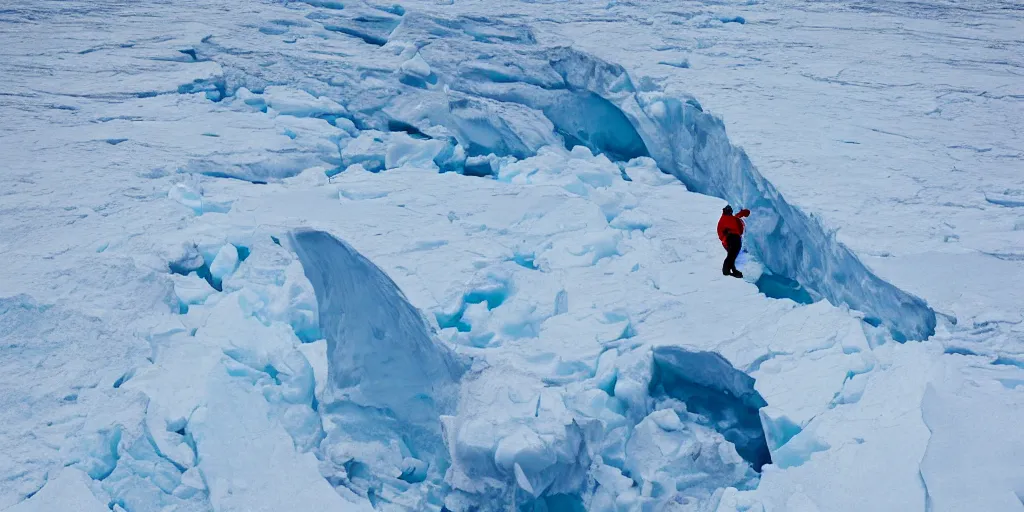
(460, 255)
(69, 491)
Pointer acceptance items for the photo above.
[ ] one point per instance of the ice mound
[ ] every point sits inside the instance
(292, 102)
(376, 151)
(514, 440)
(225, 416)
(235, 466)
(606, 441)
(190, 195)
(191, 289)
(687, 463)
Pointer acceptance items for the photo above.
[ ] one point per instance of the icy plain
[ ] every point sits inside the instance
(460, 255)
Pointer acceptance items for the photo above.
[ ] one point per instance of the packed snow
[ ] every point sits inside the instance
(461, 256)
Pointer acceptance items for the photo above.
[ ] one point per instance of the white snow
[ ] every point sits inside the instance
(69, 490)
(249, 463)
(313, 256)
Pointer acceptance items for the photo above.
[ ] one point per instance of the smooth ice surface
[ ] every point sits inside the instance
(951, 408)
(522, 192)
(69, 490)
(249, 463)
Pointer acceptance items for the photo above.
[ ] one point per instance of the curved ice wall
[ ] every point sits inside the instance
(693, 146)
(381, 352)
(710, 386)
(503, 100)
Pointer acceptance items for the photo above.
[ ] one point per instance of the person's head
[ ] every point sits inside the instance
(727, 210)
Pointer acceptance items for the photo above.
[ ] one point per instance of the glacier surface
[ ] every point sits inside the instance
(460, 256)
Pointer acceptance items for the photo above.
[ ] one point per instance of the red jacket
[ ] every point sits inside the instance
(732, 223)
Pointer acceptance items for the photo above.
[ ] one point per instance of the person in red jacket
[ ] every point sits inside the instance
(730, 232)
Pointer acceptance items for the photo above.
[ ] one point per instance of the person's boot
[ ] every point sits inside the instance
(737, 274)
(725, 272)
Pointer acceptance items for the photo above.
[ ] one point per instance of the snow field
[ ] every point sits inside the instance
(545, 330)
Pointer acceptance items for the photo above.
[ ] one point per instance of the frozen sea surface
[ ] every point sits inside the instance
(461, 256)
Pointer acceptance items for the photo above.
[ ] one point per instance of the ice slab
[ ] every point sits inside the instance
(250, 463)
(380, 350)
(69, 490)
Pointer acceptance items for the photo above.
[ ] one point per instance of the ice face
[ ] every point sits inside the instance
(710, 386)
(595, 104)
(380, 350)
(389, 377)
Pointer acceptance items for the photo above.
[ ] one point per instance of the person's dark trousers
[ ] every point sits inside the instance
(733, 245)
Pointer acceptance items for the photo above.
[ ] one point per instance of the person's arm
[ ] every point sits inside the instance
(743, 213)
